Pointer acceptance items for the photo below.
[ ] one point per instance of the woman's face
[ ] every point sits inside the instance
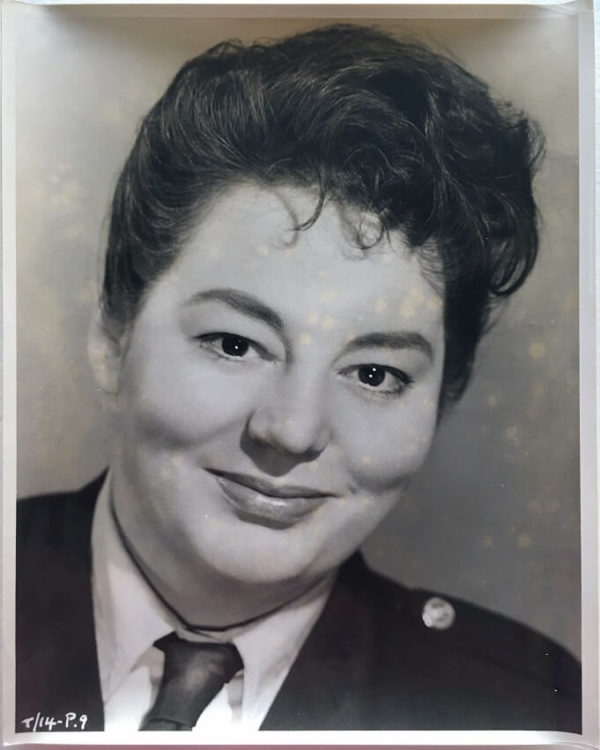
(278, 391)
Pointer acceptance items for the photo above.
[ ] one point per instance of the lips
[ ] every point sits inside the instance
(259, 500)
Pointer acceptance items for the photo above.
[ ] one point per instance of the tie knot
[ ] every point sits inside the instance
(193, 675)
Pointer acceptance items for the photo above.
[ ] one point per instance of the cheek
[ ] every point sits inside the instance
(173, 402)
(385, 447)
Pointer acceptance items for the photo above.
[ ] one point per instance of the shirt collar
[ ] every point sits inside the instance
(128, 615)
(129, 618)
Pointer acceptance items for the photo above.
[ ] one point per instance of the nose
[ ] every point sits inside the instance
(292, 419)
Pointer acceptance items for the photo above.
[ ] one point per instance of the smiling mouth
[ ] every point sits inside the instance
(260, 501)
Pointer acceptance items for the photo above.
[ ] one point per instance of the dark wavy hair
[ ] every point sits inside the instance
(388, 126)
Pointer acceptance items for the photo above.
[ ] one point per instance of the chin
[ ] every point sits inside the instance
(258, 563)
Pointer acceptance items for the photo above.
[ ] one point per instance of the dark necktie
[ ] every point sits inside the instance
(193, 674)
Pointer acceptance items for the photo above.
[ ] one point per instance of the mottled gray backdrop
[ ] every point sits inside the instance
(494, 515)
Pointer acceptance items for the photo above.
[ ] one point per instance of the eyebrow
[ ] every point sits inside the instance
(243, 303)
(254, 308)
(392, 340)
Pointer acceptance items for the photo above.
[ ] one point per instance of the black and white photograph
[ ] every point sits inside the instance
(297, 373)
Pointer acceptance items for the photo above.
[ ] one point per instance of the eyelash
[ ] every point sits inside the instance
(209, 342)
(403, 380)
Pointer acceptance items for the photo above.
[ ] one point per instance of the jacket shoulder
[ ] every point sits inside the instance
(52, 516)
(52, 548)
(494, 638)
(478, 633)
(388, 657)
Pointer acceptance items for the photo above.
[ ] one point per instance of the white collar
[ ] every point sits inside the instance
(129, 618)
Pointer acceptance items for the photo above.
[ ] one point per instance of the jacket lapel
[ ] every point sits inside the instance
(328, 685)
(57, 671)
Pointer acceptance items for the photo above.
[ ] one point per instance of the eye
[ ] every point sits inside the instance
(230, 346)
(234, 346)
(380, 379)
(372, 375)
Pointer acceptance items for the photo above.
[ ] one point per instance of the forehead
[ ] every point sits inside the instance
(248, 240)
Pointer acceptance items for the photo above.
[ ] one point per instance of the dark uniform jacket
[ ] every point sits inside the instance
(370, 662)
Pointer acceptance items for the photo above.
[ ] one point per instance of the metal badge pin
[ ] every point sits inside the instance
(438, 613)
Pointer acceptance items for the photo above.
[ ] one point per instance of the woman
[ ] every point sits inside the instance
(306, 243)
